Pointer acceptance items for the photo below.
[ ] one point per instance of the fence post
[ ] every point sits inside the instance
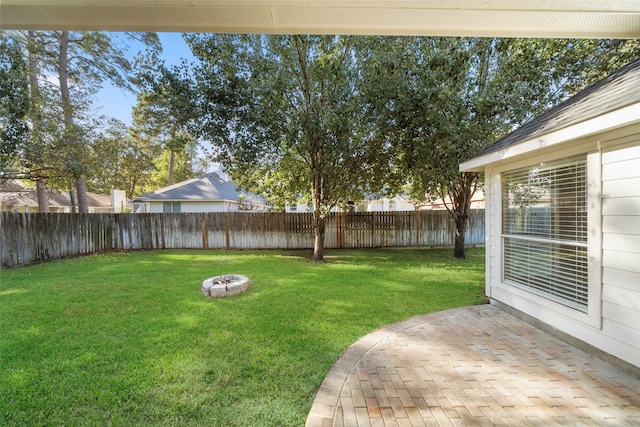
(205, 232)
(226, 230)
(341, 225)
(418, 226)
(373, 229)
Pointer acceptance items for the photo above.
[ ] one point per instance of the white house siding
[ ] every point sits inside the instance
(621, 245)
(493, 245)
(613, 322)
(383, 205)
(390, 205)
(195, 206)
(298, 208)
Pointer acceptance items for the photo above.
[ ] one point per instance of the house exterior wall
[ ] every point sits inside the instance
(298, 208)
(118, 200)
(384, 205)
(156, 206)
(621, 245)
(52, 209)
(612, 323)
(390, 205)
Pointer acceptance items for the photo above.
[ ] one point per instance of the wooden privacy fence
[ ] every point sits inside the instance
(28, 238)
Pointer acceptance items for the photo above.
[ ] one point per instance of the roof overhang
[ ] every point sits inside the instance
(604, 123)
(499, 18)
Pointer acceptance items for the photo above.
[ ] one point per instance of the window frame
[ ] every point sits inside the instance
(544, 230)
(529, 302)
(170, 207)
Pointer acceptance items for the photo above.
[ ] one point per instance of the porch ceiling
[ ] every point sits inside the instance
(522, 18)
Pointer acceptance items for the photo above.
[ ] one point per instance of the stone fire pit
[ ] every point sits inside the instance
(224, 286)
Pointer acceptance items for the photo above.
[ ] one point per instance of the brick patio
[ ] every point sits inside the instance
(472, 366)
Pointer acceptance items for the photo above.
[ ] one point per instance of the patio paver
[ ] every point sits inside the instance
(472, 366)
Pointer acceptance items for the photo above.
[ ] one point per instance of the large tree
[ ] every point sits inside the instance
(290, 107)
(14, 104)
(65, 69)
(122, 158)
(165, 113)
(34, 154)
(441, 100)
(84, 62)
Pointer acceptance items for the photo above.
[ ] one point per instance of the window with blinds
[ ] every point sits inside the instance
(544, 226)
(171, 207)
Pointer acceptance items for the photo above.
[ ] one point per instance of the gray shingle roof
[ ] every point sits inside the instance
(204, 188)
(14, 193)
(618, 90)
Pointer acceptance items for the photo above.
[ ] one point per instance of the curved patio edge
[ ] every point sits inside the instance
(323, 410)
(474, 365)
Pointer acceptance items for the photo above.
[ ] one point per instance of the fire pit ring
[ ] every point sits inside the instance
(225, 286)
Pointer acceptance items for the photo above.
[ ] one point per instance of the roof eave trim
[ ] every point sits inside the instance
(606, 122)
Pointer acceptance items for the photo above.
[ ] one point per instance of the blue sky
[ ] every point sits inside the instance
(114, 102)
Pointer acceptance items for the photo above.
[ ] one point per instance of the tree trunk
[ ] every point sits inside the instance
(319, 219)
(42, 196)
(33, 70)
(41, 187)
(72, 200)
(172, 159)
(460, 209)
(83, 199)
(459, 250)
(318, 229)
(71, 129)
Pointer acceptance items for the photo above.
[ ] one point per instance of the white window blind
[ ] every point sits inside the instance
(544, 225)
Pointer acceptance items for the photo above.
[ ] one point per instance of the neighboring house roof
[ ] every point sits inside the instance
(12, 193)
(618, 90)
(207, 187)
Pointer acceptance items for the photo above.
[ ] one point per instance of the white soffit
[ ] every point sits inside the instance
(541, 18)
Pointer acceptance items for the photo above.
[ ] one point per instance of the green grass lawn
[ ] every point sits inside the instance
(129, 339)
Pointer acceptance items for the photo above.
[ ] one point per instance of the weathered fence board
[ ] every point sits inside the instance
(29, 238)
